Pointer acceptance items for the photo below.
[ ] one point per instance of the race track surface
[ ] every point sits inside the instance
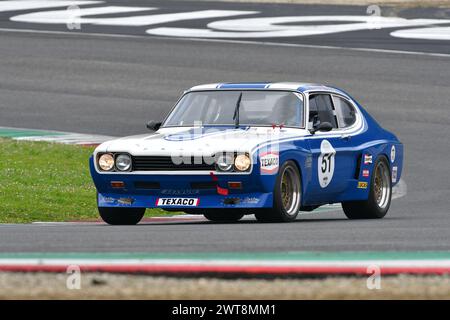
(113, 85)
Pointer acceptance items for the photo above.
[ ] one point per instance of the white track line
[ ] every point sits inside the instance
(263, 43)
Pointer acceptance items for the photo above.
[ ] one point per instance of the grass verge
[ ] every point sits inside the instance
(41, 181)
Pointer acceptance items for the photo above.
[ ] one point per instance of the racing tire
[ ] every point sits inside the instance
(380, 194)
(225, 215)
(287, 196)
(121, 216)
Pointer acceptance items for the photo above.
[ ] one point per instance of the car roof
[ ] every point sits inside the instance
(291, 86)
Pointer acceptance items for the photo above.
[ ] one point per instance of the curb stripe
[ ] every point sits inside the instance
(254, 270)
(53, 136)
(186, 266)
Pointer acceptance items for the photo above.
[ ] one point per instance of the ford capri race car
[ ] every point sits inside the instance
(268, 149)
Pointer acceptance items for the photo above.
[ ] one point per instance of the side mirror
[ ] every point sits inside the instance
(322, 126)
(153, 125)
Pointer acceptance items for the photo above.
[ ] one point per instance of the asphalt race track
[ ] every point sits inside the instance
(73, 81)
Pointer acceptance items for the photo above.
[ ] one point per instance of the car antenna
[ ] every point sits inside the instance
(236, 111)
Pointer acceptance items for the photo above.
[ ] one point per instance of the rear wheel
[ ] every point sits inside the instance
(379, 201)
(223, 215)
(287, 196)
(121, 216)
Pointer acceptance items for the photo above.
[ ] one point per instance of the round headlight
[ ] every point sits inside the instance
(106, 162)
(225, 162)
(242, 162)
(123, 162)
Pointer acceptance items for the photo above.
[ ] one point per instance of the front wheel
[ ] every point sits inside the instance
(121, 216)
(380, 194)
(286, 196)
(224, 215)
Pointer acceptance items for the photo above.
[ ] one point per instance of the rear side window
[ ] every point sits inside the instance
(321, 107)
(345, 112)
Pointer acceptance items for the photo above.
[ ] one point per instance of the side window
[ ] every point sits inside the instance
(345, 112)
(321, 106)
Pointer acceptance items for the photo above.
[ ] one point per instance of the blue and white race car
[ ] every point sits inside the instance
(268, 149)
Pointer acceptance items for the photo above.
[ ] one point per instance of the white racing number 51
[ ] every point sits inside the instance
(326, 163)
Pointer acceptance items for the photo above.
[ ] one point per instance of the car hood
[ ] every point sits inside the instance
(204, 141)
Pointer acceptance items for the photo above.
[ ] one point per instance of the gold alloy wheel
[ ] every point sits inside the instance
(382, 185)
(290, 191)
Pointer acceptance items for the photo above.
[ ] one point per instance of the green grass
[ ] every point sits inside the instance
(42, 181)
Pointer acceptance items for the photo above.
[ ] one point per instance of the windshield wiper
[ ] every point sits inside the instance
(236, 111)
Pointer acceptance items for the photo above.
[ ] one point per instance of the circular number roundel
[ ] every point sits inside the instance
(326, 163)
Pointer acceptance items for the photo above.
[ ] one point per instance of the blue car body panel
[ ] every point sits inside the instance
(354, 163)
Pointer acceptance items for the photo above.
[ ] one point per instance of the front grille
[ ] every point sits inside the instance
(163, 163)
(204, 185)
(146, 185)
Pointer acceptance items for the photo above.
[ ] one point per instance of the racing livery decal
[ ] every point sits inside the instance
(365, 173)
(183, 202)
(269, 162)
(367, 159)
(362, 185)
(326, 163)
(221, 191)
(179, 192)
(394, 174)
(126, 201)
(393, 154)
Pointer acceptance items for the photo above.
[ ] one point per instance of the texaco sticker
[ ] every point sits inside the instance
(269, 162)
(325, 163)
(393, 154)
(185, 202)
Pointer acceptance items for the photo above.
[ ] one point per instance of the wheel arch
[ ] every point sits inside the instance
(385, 156)
(300, 172)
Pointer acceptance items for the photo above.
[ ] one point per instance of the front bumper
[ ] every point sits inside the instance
(181, 191)
(247, 200)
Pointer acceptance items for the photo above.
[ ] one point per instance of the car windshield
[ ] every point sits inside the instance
(256, 108)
